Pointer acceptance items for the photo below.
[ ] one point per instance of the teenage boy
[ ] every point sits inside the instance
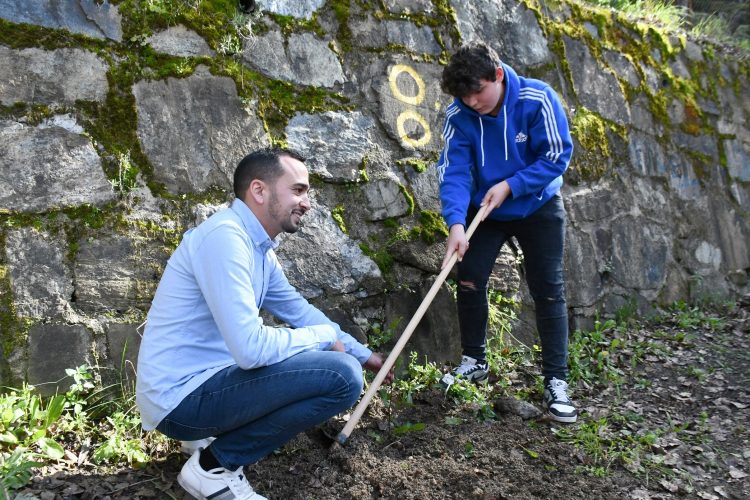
(507, 145)
(209, 367)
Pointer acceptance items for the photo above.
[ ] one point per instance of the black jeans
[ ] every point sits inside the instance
(542, 239)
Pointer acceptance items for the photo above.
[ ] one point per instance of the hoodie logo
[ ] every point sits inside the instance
(521, 137)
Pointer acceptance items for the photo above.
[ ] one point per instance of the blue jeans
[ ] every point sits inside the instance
(253, 412)
(542, 239)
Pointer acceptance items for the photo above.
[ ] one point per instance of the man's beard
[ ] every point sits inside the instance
(285, 219)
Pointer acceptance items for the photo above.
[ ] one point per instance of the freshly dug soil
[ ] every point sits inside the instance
(683, 408)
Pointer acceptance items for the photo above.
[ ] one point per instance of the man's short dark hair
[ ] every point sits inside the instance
(472, 62)
(264, 165)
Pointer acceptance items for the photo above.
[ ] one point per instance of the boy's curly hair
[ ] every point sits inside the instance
(472, 62)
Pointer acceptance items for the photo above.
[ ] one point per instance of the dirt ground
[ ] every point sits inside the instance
(676, 428)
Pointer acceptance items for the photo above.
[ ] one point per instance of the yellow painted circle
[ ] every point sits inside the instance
(395, 72)
(413, 115)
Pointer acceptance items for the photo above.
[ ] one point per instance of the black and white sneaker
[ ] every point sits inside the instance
(556, 400)
(469, 369)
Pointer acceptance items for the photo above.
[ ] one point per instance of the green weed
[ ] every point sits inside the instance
(418, 377)
(688, 317)
(594, 355)
(36, 430)
(380, 334)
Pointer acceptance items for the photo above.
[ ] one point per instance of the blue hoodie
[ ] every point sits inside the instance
(527, 144)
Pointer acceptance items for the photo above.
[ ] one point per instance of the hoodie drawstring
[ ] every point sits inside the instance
(481, 137)
(505, 131)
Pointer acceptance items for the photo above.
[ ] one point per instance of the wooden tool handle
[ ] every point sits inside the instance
(391, 360)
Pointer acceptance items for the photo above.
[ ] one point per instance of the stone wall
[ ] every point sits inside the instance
(121, 124)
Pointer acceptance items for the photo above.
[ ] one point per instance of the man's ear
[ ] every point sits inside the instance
(499, 74)
(256, 191)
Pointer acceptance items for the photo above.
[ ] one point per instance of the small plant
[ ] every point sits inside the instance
(409, 427)
(33, 429)
(229, 45)
(418, 378)
(380, 335)
(594, 355)
(686, 317)
(124, 441)
(126, 174)
(477, 397)
(25, 428)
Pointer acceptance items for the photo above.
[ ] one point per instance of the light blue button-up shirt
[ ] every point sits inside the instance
(205, 313)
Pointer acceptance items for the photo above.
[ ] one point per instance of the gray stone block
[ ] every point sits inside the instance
(738, 159)
(409, 6)
(195, 130)
(370, 32)
(320, 259)
(300, 10)
(41, 168)
(596, 87)
(123, 343)
(384, 199)
(304, 59)
(426, 188)
(88, 17)
(436, 336)
(334, 143)
(502, 25)
(635, 265)
(117, 272)
(60, 76)
(179, 41)
(41, 281)
(53, 348)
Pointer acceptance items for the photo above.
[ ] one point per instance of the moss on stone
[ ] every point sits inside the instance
(341, 9)
(382, 258)
(338, 216)
(289, 24)
(431, 227)
(14, 330)
(590, 130)
(278, 101)
(418, 164)
(22, 36)
(409, 198)
(363, 177)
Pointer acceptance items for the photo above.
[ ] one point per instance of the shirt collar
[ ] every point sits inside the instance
(253, 227)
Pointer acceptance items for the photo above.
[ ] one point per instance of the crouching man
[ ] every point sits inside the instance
(209, 366)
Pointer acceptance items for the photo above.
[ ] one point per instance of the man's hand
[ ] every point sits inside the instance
(374, 363)
(495, 197)
(457, 242)
(338, 346)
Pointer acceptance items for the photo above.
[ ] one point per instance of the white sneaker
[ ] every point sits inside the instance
(189, 447)
(469, 369)
(559, 406)
(216, 484)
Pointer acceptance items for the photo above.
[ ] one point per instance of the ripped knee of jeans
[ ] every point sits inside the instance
(467, 286)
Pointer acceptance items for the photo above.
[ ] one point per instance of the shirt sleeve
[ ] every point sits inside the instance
(287, 304)
(550, 140)
(223, 266)
(455, 175)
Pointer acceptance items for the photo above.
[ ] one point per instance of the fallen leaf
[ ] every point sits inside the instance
(736, 473)
(721, 491)
(669, 486)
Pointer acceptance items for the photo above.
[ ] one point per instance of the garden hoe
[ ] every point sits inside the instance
(389, 362)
